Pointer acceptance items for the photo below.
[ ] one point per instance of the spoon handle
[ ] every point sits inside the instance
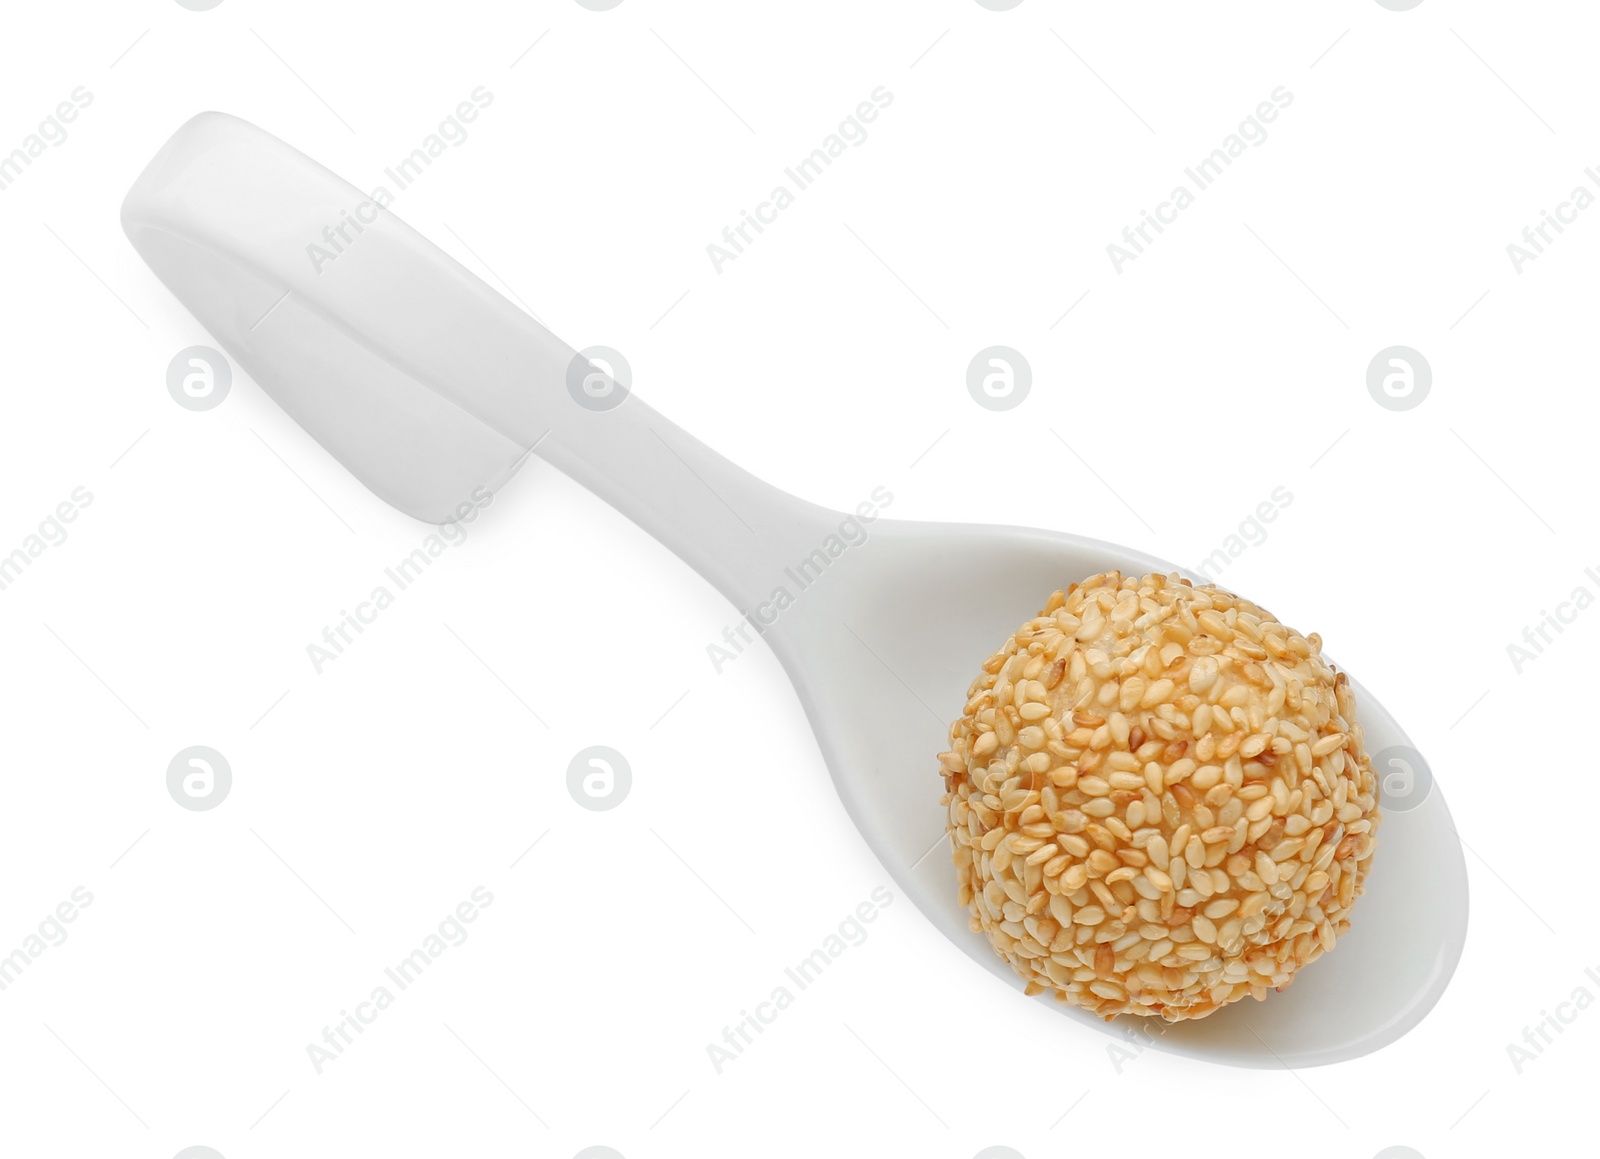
(733, 528)
(418, 376)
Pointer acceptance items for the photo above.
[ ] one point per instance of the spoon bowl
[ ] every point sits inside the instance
(429, 385)
(882, 654)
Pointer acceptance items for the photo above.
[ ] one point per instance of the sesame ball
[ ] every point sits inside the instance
(1158, 799)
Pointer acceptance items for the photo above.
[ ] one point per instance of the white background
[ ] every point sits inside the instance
(368, 801)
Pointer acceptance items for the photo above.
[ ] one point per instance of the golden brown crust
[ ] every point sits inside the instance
(1158, 799)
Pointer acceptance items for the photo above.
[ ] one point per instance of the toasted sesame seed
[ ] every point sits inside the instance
(1328, 744)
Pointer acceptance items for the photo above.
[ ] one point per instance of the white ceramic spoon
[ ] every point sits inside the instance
(427, 384)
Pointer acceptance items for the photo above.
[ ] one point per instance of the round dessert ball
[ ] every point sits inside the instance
(1159, 800)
